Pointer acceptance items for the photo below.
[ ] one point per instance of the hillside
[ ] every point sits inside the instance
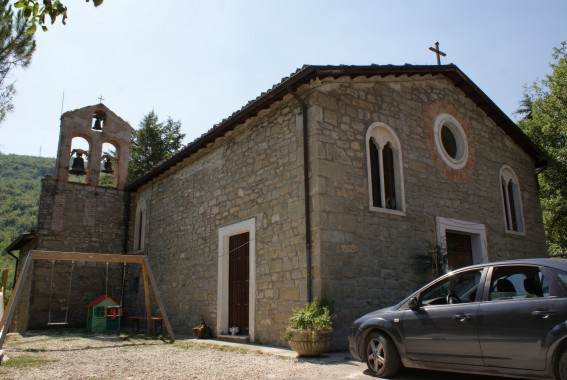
(20, 185)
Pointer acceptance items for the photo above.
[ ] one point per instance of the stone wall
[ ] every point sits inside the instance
(369, 259)
(80, 218)
(362, 259)
(77, 218)
(253, 173)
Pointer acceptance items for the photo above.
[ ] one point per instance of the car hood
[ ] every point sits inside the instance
(385, 310)
(377, 313)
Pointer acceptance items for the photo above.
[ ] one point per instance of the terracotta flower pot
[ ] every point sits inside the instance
(305, 344)
(201, 332)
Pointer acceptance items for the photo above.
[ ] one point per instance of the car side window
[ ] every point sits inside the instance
(517, 282)
(562, 277)
(458, 288)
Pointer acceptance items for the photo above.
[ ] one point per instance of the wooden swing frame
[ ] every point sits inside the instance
(88, 257)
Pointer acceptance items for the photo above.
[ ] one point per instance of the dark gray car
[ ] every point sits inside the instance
(505, 318)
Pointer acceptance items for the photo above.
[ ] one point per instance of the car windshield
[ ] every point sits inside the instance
(462, 286)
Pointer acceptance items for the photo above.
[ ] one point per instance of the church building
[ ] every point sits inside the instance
(356, 184)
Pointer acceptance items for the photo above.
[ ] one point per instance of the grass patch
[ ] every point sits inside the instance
(25, 361)
(38, 349)
(15, 343)
(192, 345)
(69, 338)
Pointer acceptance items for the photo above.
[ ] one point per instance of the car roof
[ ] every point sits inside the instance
(560, 264)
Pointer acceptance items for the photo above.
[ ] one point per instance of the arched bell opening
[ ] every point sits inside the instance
(108, 165)
(98, 121)
(78, 160)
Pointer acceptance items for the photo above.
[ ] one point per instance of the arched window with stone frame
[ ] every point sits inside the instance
(140, 226)
(385, 175)
(511, 200)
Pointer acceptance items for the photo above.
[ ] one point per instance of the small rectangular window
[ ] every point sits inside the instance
(99, 311)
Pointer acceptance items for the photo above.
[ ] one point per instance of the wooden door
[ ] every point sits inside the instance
(459, 250)
(239, 278)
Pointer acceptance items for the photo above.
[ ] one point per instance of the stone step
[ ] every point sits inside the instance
(234, 338)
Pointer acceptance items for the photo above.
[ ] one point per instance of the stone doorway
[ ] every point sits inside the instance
(459, 250)
(239, 278)
(236, 294)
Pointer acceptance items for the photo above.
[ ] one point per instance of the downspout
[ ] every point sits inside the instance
(126, 223)
(15, 267)
(306, 188)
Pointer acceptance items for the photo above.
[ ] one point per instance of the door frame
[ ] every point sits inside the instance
(476, 231)
(225, 233)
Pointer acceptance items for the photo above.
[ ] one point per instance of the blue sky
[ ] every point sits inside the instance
(200, 61)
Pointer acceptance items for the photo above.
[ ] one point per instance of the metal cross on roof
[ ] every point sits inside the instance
(100, 99)
(438, 52)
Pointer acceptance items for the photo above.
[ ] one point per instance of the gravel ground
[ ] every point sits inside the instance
(74, 355)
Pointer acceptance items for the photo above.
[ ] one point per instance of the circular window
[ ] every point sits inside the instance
(451, 141)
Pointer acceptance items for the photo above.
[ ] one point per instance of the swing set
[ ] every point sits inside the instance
(110, 311)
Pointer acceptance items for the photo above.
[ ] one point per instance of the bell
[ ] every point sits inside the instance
(97, 125)
(78, 167)
(107, 166)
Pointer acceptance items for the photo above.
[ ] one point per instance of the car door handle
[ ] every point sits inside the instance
(461, 317)
(543, 314)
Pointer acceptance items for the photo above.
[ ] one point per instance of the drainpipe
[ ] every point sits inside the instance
(303, 107)
(15, 267)
(126, 223)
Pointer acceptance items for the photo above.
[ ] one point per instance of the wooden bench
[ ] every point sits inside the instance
(135, 322)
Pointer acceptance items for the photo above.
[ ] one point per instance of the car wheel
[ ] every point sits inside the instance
(562, 366)
(382, 356)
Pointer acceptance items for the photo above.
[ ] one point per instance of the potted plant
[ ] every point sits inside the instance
(202, 331)
(309, 329)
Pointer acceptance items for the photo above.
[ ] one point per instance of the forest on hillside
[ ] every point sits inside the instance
(20, 185)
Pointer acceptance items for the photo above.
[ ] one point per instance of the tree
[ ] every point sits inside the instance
(16, 50)
(544, 110)
(34, 14)
(153, 143)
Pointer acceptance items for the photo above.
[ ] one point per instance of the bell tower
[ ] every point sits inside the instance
(94, 146)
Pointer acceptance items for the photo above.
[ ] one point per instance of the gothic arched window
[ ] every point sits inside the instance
(511, 202)
(140, 226)
(385, 178)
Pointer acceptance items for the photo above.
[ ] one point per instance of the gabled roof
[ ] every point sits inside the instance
(100, 299)
(309, 72)
(95, 107)
(20, 241)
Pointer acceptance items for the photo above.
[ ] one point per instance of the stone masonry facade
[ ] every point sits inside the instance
(78, 218)
(370, 259)
(255, 172)
(363, 259)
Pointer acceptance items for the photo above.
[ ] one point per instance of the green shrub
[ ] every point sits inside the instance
(316, 316)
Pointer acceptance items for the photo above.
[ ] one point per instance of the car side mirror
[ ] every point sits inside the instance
(413, 303)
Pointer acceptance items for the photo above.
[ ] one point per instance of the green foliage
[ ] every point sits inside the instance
(25, 361)
(35, 14)
(20, 185)
(154, 142)
(545, 122)
(16, 50)
(438, 259)
(316, 316)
